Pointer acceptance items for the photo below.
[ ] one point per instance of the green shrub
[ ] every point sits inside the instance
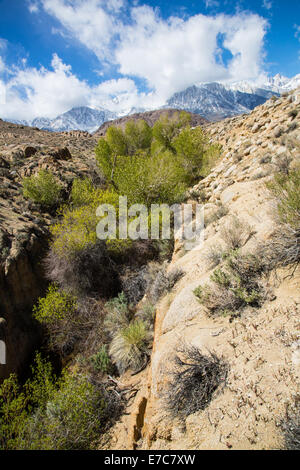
(283, 249)
(130, 346)
(13, 412)
(154, 166)
(48, 413)
(77, 228)
(236, 287)
(42, 189)
(138, 136)
(210, 158)
(147, 313)
(105, 159)
(148, 180)
(101, 360)
(18, 403)
(190, 146)
(83, 192)
(56, 305)
(286, 190)
(167, 128)
(73, 417)
(221, 278)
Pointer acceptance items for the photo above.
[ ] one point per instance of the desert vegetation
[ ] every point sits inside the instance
(48, 412)
(43, 189)
(92, 315)
(194, 379)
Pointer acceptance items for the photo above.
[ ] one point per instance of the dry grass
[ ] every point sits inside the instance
(130, 346)
(83, 332)
(236, 233)
(164, 282)
(291, 430)
(214, 255)
(282, 250)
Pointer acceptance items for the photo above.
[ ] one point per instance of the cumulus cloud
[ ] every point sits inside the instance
(93, 23)
(168, 55)
(174, 54)
(32, 92)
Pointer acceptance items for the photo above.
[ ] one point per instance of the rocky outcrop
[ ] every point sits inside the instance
(24, 228)
(22, 281)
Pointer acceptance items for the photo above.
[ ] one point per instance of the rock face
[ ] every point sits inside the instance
(262, 346)
(24, 227)
(22, 281)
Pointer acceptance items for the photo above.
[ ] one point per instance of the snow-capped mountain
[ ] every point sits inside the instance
(80, 118)
(214, 101)
(280, 84)
(266, 87)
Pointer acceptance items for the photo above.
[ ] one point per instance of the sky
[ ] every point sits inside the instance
(120, 54)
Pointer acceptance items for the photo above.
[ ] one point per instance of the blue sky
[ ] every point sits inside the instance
(55, 54)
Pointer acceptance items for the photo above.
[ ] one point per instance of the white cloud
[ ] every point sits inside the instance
(174, 54)
(2, 66)
(297, 35)
(92, 24)
(267, 4)
(33, 6)
(32, 92)
(168, 55)
(211, 3)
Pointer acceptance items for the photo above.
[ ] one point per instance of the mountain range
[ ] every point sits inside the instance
(213, 101)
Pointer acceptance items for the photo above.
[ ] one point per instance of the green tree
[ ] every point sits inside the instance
(147, 180)
(138, 135)
(190, 146)
(167, 128)
(105, 158)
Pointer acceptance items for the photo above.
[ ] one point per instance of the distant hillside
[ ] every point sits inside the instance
(150, 117)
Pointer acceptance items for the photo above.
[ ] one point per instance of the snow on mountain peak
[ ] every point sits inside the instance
(212, 100)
